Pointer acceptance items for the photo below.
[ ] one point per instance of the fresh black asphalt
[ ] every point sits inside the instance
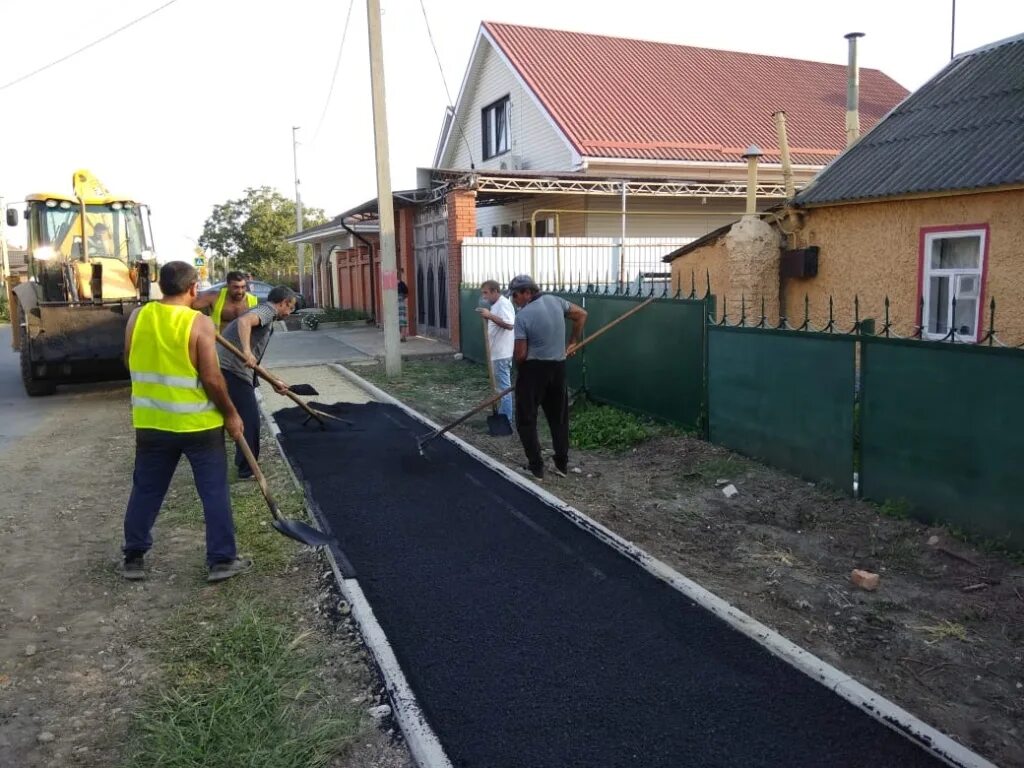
(529, 642)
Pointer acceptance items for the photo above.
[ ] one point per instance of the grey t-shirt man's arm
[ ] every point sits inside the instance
(259, 337)
(541, 323)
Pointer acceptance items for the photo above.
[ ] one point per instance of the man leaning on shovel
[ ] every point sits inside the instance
(180, 405)
(251, 333)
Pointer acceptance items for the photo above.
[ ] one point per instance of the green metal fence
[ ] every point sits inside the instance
(652, 363)
(785, 397)
(942, 431)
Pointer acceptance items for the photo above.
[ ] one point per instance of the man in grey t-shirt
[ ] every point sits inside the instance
(251, 333)
(540, 352)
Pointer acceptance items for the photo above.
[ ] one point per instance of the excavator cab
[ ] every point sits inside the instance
(91, 262)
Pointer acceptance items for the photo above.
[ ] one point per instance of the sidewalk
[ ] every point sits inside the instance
(342, 345)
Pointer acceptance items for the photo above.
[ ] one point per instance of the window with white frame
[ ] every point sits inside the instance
(496, 127)
(951, 282)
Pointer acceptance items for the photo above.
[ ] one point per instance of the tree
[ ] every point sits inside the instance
(251, 232)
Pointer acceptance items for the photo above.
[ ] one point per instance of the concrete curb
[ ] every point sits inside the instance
(887, 712)
(424, 746)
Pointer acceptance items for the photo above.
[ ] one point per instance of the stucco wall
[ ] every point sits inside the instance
(710, 261)
(872, 250)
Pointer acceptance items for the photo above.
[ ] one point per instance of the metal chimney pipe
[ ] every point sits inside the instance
(751, 156)
(787, 166)
(852, 91)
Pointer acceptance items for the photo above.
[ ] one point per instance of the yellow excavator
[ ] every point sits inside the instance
(91, 262)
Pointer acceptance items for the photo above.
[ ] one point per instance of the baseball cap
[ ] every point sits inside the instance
(522, 283)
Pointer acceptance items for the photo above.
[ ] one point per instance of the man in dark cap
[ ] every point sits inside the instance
(540, 352)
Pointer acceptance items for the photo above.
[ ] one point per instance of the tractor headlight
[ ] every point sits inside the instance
(44, 253)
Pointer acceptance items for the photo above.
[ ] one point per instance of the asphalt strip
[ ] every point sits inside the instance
(529, 642)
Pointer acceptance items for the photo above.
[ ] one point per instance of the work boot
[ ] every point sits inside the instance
(222, 571)
(132, 568)
(537, 472)
(561, 469)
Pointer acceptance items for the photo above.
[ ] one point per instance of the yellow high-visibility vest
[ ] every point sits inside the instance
(166, 391)
(218, 307)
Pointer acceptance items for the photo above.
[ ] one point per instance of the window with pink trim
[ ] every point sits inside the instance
(952, 269)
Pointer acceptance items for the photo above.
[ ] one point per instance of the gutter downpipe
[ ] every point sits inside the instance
(373, 270)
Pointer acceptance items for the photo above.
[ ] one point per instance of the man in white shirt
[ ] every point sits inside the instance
(501, 318)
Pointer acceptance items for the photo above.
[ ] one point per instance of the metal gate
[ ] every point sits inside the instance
(430, 231)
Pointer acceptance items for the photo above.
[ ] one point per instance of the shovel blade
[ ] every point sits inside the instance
(306, 390)
(498, 425)
(303, 533)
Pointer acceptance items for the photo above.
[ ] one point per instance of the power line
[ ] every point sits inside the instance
(334, 77)
(87, 46)
(444, 81)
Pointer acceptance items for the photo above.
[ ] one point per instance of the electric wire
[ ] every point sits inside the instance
(444, 81)
(87, 46)
(334, 77)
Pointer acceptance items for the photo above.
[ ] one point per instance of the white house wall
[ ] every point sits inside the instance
(600, 216)
(536, 144)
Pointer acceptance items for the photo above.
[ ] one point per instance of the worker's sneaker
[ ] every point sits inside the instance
(132, 568)
(561, 471)
(244, 473)
(222, 571)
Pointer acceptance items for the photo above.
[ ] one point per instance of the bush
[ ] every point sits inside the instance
(311, 321)
(601, 426)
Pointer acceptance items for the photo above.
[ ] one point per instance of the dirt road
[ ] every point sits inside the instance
(76, 641)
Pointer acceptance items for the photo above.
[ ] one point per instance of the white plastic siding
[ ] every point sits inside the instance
(536, 145)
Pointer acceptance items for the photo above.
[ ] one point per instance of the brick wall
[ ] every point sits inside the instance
(461, 205)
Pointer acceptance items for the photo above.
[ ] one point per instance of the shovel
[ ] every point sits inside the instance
(293, 529)
(291, 393)
(497, 423)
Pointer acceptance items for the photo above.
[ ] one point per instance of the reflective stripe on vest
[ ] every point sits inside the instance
(166, 391)
(218, 306)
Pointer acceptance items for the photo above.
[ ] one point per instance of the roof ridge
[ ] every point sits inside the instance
(989, 46)
(492, 24)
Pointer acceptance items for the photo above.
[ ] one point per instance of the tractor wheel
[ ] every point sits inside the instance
(33, 387)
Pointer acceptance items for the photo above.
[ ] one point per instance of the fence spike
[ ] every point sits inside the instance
(764, 318)
(856, 313)
(743, 310)
(725, 311)
(664, 289)
(708, 271)
(807, 313)
(885, 328)
(831, 317)
(693, 284)
(952, 325)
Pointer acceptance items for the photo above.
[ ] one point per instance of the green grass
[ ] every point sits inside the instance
(898, 509)
(239, 688)
(442, 389)
(603, 427)
(725, 467)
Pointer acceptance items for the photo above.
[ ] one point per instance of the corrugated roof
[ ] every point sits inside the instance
(963, 130)
(615, 97)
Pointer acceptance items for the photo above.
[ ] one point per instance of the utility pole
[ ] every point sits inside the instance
(385, 206)
(300, 249)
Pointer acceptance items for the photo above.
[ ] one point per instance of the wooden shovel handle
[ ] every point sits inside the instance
(260, 479)
(263, 374)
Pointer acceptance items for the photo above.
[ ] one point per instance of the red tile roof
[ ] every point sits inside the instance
(615, 97)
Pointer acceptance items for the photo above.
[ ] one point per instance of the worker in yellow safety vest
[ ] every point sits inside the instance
(180, 405)
(228, 303)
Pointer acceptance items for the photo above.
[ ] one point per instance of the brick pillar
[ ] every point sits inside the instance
(461, 224)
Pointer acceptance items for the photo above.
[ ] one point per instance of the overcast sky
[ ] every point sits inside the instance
(196, 103)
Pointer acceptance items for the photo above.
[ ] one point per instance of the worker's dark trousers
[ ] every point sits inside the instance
(541, 384)
(243, 395)
(156, 456)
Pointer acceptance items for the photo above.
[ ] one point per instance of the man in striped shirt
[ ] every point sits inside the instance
(251, 333)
